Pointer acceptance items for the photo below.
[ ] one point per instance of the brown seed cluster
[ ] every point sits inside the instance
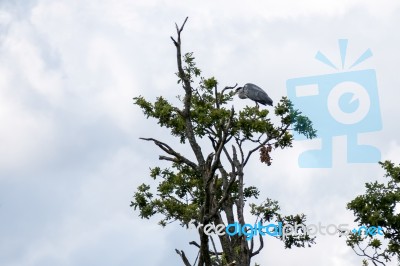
(265, 154)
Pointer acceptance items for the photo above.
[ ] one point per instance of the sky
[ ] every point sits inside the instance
(71, 158)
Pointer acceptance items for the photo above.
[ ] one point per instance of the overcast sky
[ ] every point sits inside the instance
(70, 158)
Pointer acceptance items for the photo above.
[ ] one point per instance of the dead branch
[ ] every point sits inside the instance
(194, 243)
(166, 148)
(183, 257)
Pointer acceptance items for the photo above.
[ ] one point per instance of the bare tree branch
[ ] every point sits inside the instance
(228, 88)
(183, 257)
(166, 148)
(215, 249)
(188, 98)
(260, 248)
(221, 143)
(194, 243)
(374, 258)
(225, 195)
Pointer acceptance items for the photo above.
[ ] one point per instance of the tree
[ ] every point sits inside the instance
(377, 208)
(211, 188)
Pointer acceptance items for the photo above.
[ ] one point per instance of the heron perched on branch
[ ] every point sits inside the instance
(255, 93)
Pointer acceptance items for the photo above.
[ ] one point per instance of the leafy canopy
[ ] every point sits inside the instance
(377, 208)
(180, 193)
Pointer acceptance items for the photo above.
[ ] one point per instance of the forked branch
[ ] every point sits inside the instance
(177, 156)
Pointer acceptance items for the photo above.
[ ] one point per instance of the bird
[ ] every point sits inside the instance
(255, 93)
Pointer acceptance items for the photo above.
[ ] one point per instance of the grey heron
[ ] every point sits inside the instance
(255, 93)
